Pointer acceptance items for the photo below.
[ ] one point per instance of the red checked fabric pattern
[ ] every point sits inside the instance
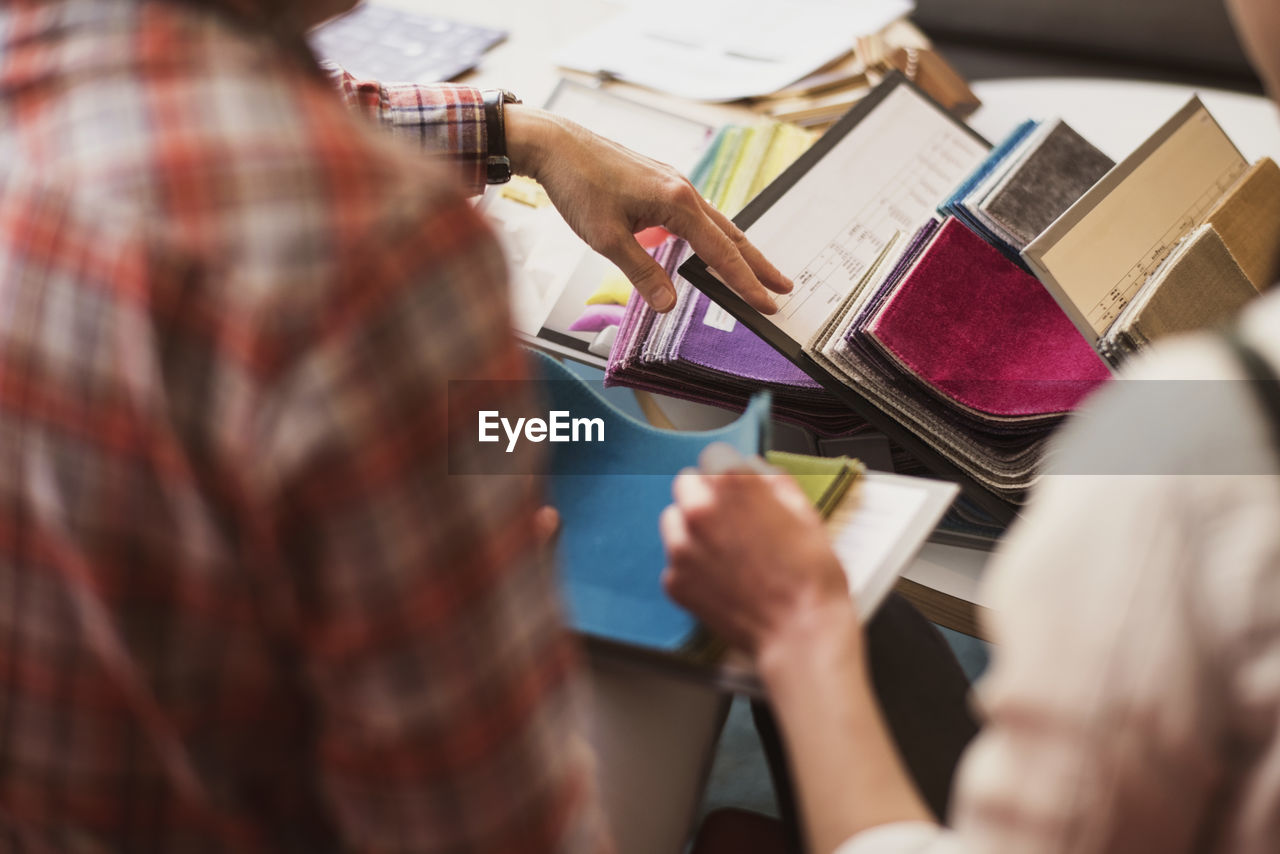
(445, 118)
(243, 606)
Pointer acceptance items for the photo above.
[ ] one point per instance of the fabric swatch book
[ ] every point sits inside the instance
(610, 495)
(1129, 262)
(1198, 286)
(868, 514)
(892, 311)
(699, 352)
(963, 347)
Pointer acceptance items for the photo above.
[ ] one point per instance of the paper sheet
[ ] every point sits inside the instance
(880, 528)
(669, 138)
(1097, 255)
(888, 174)
(722, 50)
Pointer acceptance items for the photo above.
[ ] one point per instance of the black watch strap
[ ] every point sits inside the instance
(497, 163)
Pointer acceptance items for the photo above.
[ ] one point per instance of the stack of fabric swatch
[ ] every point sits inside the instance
(954, 340)
(1027, 181)
(950, 334)
(1212, 273)
(824, 480)
(1200, 285)
(697, 351)
(1178, 237)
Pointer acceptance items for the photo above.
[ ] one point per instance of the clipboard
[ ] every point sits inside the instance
(695, 271)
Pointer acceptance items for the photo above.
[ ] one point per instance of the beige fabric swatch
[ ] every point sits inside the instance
(1247, 218)
(1200, 286)
(1097, 255)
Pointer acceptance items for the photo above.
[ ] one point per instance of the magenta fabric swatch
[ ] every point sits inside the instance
(983, 332)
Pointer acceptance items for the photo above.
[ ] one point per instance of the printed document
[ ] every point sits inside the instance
(887, 174)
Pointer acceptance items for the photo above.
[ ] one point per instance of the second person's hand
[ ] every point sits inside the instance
(748, 554)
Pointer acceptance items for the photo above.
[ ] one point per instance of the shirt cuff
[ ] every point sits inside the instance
(903, 837)
(443, 119)
(446, 119)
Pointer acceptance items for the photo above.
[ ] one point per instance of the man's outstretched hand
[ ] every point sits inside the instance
(607, 194)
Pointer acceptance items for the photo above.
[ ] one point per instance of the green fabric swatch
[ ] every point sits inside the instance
(824, 480)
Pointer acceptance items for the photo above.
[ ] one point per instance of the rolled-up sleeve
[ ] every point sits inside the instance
(442, 118)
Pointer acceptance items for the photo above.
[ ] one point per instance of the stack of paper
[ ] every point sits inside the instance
(723, 50)
(824, 96)
(1140, 256)
(697, 351)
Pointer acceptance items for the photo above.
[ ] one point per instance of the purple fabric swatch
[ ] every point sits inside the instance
(738, 351)
(679, 356)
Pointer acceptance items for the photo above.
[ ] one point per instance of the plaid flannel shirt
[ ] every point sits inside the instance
(243, 606)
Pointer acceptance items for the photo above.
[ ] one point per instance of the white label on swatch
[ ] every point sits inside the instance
(717, 318)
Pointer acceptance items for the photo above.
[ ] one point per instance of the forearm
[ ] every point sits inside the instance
(532, 136)
(846, 768)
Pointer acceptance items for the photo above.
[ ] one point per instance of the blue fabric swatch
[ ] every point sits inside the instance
(609, 495)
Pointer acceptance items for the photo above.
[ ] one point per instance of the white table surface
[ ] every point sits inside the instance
(1117, 115)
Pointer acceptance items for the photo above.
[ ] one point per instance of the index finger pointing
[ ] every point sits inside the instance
(768, 274)
(722, 255)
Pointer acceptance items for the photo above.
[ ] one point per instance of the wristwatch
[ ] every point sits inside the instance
(497, 164)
